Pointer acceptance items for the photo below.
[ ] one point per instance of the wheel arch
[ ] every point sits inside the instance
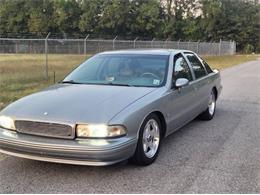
(162, 120)
(215, 91)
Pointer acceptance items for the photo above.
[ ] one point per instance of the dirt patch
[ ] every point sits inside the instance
(2, 156)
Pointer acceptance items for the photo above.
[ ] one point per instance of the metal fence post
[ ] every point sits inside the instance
(135, 41)
(188, 45)
(211, 48)
(152, 42)
(166, 41)
(79, 47)
(179, 44)
(16, 47)
(46, 57)
(99, 45)
(231, 47)
(85, 44)
(198, 46)
(219, 48)
(234, 47)
(114, 40)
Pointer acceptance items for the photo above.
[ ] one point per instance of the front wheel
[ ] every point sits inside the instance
(149, 141)
(210, 112)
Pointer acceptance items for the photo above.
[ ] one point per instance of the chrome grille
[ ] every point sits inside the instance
(44, 129)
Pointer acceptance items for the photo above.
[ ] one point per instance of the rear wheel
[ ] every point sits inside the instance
(210, 112)
(149, 141)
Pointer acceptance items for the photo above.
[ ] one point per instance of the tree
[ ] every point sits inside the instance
(177, 14)
(115, 17)
(14, 17)
(147, 19)
(205, 20)
(41, 16)
(91, 14)
(67, 16)
(231, 19)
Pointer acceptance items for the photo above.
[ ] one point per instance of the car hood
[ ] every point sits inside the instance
(76, 103)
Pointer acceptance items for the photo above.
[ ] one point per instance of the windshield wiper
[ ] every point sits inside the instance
(119, 84)
(110, 83)
(70, 82)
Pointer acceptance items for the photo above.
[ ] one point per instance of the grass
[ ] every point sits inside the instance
(23, 74)
(2, 156)
(222, 62)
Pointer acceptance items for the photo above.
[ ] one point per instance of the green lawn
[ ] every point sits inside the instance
(2, 156)
(221, 62)
(23, 74)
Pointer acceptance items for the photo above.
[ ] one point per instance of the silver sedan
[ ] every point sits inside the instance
(117, 105)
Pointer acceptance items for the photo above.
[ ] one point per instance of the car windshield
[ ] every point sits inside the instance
(122, 70)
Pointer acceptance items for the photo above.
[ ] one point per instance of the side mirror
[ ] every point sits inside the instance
(216, 70)
(181, 82)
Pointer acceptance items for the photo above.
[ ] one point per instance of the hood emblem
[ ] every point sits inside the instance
(45, 113)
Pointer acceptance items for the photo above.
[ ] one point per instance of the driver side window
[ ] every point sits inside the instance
(181, 68)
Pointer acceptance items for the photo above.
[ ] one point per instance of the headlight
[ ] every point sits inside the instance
(7, 122)
(100, 131)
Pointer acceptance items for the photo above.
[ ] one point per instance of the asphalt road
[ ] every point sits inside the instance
(220, 156)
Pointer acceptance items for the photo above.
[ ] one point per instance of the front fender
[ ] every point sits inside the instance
(133, 116)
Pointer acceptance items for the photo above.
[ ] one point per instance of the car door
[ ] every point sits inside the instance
(180, 102)
(200, 84)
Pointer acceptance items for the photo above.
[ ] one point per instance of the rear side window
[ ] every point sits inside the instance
(209, 70)
(181, 68)
(197, 66)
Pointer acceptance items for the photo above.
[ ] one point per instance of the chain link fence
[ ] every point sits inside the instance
(28, 65)
(92, 46)
(87, 47)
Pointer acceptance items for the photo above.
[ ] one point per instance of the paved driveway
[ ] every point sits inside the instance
(221, 156)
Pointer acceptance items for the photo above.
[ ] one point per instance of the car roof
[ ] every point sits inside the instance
(146, 51)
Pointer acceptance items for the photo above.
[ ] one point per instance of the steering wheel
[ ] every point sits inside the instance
(149, 74)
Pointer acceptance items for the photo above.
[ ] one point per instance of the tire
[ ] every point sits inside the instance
(149, 141)
(210, 112)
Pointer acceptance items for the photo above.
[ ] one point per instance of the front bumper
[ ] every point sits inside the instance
(96, 152)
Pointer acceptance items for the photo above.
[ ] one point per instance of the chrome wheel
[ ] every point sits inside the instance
(212, 103)
(151, 138)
